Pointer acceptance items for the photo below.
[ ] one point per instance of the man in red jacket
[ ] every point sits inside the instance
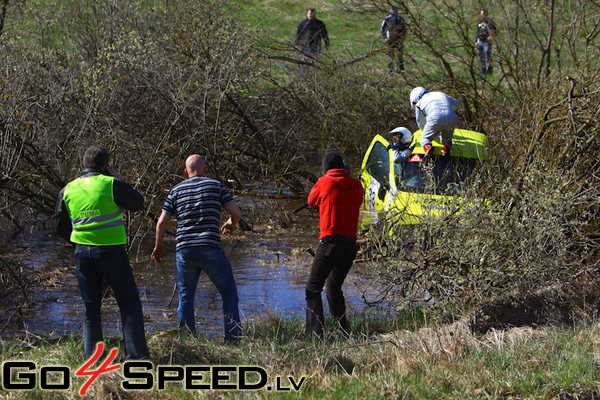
(338, 196)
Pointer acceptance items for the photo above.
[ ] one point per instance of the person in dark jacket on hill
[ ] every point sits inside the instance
(338, 196)
(486, 30)
(311, 31)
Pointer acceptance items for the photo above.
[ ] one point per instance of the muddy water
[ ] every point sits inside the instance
(270, 265)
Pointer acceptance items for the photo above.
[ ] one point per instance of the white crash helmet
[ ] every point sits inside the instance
(415, 95)
(406, 135)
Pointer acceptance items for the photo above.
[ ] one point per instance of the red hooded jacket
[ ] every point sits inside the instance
(339, 197)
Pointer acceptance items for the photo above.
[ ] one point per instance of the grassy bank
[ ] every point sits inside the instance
(379, 359)
(152, 84)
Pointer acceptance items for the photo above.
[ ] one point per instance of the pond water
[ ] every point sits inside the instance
(270, 266)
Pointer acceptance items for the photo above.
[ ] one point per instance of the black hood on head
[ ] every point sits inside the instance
(334, 160)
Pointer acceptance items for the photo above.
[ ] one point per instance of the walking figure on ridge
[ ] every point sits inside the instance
(393, 33)
(486, 29)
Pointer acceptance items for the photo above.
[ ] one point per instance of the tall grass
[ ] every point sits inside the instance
(153, 81)
(430, 363)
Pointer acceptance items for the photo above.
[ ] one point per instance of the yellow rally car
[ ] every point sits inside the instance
(418, 188)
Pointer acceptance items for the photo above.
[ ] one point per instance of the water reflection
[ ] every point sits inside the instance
(270, 268)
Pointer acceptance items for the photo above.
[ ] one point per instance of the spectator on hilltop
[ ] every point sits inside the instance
(486, 29)
(393, 32)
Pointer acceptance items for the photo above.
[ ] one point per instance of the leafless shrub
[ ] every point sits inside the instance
(154, 85)
(150, 85)
(537, 226)
(16, 283)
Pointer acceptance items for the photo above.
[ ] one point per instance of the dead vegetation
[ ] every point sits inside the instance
(563, 304)
(154, 84)
(16, 286)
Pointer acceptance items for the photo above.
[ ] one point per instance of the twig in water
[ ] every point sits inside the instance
(172, 295)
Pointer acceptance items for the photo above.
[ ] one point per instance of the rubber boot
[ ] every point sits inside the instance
(343, 323)
(338, 311)
(314, 318)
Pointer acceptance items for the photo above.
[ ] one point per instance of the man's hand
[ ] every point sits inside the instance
(112, 171)
(158, 253)
(228, 226)
(236, 216)
(161, 227)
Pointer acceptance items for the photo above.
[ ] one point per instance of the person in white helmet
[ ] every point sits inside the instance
(435, 114)
(401, 140)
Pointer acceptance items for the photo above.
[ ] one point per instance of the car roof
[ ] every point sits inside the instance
(465, 143)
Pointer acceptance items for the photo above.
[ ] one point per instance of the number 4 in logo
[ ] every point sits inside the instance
(93, 374)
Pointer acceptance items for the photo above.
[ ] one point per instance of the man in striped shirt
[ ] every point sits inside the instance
(196, 203)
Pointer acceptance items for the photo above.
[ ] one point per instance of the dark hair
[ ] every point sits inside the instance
(95, 157)
(312, 9)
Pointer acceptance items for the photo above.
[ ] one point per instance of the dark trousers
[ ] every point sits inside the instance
(331, 264)
(112, 263)
(396, 54)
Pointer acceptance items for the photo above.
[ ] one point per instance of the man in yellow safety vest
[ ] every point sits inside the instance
(88, 213)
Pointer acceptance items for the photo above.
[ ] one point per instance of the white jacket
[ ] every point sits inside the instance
(437, 108)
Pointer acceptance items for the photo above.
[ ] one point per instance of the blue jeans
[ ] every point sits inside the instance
(190, 262)
(310, 54)
(112, 263)
(484, 49)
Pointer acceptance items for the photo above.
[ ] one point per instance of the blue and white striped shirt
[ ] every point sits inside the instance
(197, 203)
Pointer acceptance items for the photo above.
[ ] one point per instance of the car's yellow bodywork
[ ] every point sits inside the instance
(407, 192)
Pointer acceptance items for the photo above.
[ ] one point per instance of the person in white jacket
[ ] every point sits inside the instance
(435, 114)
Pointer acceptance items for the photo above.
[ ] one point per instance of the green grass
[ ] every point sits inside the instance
(386, 356)
(352, 34)
(397, 362)
(353, 30)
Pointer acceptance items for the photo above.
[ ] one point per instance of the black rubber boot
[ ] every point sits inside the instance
(314, 318)
(338, 311)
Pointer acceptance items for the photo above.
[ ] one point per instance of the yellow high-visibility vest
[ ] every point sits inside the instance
(95, 217)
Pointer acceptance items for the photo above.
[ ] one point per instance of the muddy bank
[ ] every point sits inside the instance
(564, 303)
